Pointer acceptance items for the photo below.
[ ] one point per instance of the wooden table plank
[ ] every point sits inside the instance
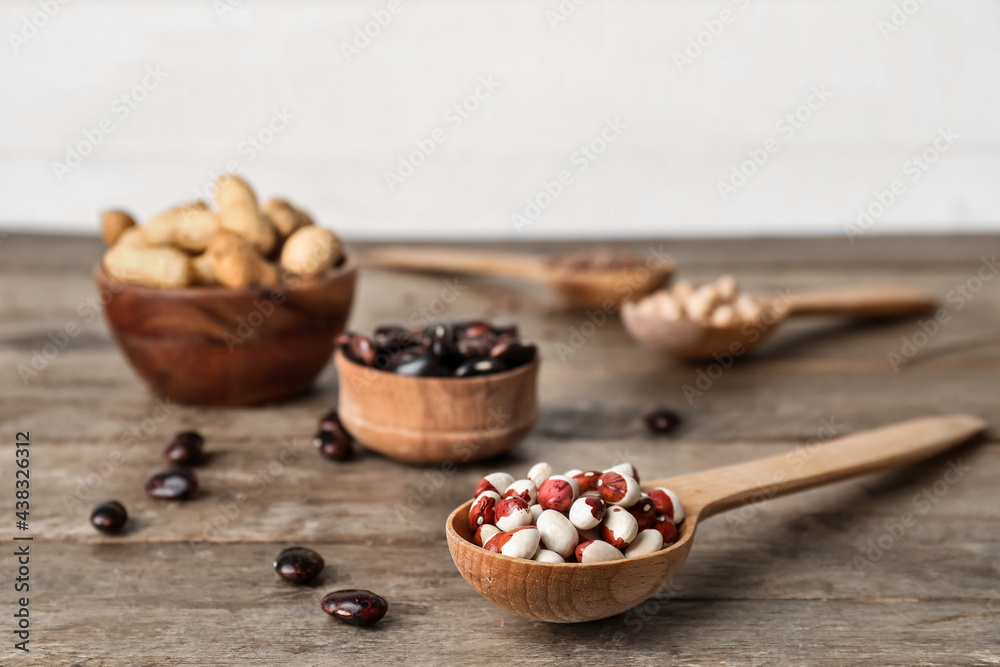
(788, 582)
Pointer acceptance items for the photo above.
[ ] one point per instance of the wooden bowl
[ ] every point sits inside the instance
(221, 346)
(434, 420)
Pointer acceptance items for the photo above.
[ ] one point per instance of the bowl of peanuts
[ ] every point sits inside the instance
(238, 306)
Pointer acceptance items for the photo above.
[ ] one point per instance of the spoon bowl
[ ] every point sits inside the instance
(599, 288)
(575, 592)
(564, 592)
(578, 287)
(688, 339)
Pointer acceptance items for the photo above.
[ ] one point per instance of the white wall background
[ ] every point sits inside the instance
(228, 68)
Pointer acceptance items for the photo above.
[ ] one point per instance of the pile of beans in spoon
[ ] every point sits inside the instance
(582, 516)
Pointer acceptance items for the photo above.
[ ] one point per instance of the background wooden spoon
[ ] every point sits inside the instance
(581, 288)
(692, 340)
(572, 592)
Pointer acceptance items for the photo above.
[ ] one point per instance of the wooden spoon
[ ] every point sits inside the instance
(693, 340)
(573, 592)
(582, 288)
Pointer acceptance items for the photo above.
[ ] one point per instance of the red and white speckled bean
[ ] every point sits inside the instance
(587, 513)
(498, 482)
(597, 552)
(523, 488)
(558, 493)
(619, 489)
(668, 503)
(511, 513)
(619, 527)
(521, 542)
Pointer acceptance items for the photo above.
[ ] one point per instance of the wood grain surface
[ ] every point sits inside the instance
(821, 578)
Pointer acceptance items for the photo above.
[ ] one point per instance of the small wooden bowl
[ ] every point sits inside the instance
(434, 420)
(221, 346)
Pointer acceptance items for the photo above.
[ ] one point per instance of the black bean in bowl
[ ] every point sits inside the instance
(463, 349)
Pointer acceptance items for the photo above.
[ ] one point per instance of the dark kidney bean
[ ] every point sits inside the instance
(394, 336)
(362, 349)
(330, 421)
(473, 329)
(476, 348)
(477, 367)
(109, 517)
(505, 330)
(662, 421)
(441, 342)
(416, 363)
(513, 353)
(172, 485)
(185, 448)
(356, 607)
(298, 565)
(343, 340)
(336, 445)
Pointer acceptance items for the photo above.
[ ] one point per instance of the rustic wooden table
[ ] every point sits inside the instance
(826, 577)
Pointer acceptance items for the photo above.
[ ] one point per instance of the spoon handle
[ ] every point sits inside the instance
(863, 301)
(713, 491)
(446, 260)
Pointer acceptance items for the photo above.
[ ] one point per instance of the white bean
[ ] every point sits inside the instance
(558, 534)
(646, 542)
(539, 473)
